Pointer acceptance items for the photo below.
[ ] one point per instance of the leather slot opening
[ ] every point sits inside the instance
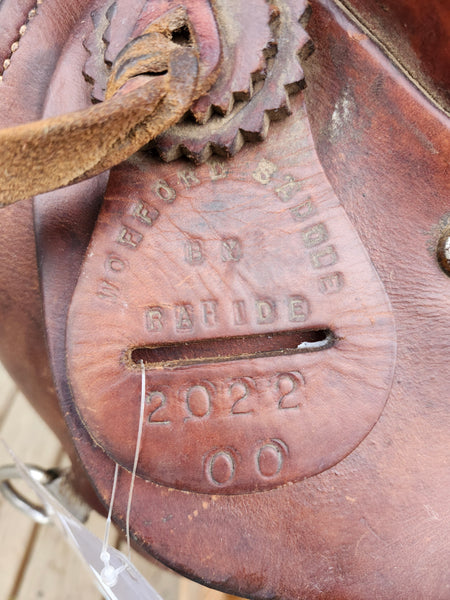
(216, 350)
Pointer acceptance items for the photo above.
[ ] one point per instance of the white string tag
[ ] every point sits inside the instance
(109, 574)
(126, 582)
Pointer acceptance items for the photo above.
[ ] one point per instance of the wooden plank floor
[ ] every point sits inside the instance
(35, 561)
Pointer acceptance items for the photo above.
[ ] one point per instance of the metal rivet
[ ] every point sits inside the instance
(443, 251)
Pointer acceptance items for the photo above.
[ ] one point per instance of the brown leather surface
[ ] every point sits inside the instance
(355, 530)
(229, 255)
(22, 327)
(415, 33)
(377, 524)
(51, 40)
(21, 306)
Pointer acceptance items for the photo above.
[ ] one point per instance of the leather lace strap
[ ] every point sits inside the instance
(144, 100)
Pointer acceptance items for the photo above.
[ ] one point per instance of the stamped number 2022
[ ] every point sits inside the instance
(231, 397)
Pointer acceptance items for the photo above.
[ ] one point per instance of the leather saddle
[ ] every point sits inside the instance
(271, 245)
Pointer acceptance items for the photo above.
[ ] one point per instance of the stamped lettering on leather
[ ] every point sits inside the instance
(266, 334)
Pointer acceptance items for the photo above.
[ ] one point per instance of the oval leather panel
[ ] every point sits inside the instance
(267, 335)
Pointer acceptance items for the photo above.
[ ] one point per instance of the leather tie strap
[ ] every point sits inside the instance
(151, 92)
